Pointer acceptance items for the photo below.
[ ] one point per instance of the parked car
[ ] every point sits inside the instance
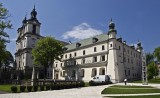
(101, 79)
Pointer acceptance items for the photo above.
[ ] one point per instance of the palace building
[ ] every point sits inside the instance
(103, 54)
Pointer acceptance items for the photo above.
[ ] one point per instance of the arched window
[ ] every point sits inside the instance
(94, 72)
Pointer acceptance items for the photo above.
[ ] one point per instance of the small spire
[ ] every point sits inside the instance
(25, 18)
(111, 25)
(34, 6)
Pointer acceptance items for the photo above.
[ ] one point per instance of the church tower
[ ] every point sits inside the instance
(112, 32)
(28, 35)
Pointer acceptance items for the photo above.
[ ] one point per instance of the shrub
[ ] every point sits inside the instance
(35, 88)
(14, 89)
(91, 83)
(53, 87)
(48, 87)
(81, 84)
(42, 88)
(29, 88)
(22, 88)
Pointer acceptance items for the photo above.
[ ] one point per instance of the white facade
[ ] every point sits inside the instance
(101, 55)
(28, 35)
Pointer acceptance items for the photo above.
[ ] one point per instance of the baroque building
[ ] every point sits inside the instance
(28, 35)
(103, 54)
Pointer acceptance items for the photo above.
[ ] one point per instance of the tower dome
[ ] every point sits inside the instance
(111, 25)
(34, 13)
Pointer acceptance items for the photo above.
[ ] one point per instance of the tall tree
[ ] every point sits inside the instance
(152, 70)
(149, 58)
(157, 53)
(46, 51)
(4, 24)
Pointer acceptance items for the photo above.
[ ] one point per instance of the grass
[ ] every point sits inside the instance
(5, 88)
(126, 86)
(157, 80)
(130, 90)
(145, 96)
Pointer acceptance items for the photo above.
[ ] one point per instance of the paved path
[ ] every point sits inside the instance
(85, 92)
(2, 92)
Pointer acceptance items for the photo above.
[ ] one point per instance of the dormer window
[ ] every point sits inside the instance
(78, 45)
(94, 40)
(65, 48)
(34, 29)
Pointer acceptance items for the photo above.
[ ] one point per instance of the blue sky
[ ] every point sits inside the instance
(77, 19)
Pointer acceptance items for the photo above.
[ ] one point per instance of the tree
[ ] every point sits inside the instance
(149, 58)
(46, 51)
(152, 70)
(4, 24)
(157, 53)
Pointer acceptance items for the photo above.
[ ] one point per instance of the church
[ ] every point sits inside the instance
(104, 54)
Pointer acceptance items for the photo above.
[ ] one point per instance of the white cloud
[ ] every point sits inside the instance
(81, 31)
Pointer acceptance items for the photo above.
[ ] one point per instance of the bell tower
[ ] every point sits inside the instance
(28, 35)
(32, 25)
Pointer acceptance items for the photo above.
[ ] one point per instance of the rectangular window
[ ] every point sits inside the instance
(56, 65)
(70, 55)
(95, 49)
(110, 45)
(103, 48)
(83, 61)
(103, 58)
(34, 29)
(64, 73)
(84, 52)
(119, 47)
(124, 59)
(82, 73)
(66, 56)
(129, 72)
(75, 54)
(94, 59)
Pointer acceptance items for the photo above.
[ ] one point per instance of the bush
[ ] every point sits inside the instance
(14, 89)
(29, 88)
(22, 88)
(81, 84)
(48, 87)
(53, 87)
(42, 88)
(35, 88)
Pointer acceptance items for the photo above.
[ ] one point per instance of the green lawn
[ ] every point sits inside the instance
(147, 96)
(130, 90)
(127, 86)
(149, 81)
(6, 88)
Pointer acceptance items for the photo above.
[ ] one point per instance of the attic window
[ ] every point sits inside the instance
(94, 40)
(78, 45)
(65, 48)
